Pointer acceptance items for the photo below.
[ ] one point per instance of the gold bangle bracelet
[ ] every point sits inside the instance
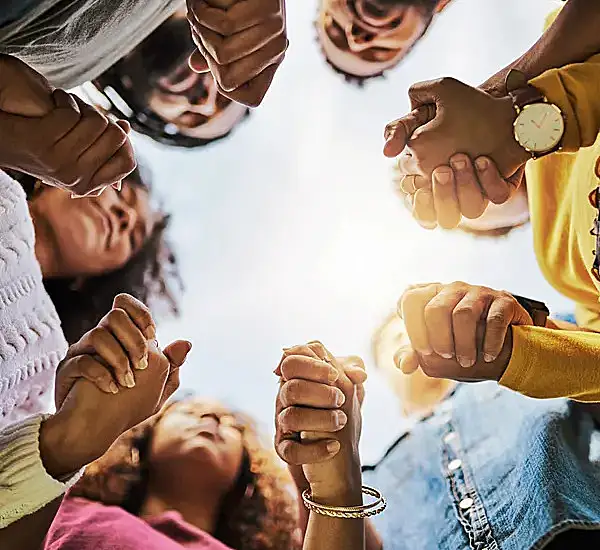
(348, 512)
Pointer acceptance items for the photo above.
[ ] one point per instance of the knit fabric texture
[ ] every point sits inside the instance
(31, 340)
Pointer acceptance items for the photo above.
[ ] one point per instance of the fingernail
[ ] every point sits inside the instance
(340, 419)
(459, 164)
(481, 164)
(340, 398)
(118, 185)
(333, 375)
(465, 362)
(150, 332)
(113, 387)
(425, 351)
(488, 357)
(447, 355)
(442, 176)
(389, 129)
(129, 380)
(333, 446)
(143, 364)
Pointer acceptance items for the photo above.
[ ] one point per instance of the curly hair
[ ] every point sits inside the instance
(259, 513)
(148, 276)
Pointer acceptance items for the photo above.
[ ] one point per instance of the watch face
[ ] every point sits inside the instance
(539, 127)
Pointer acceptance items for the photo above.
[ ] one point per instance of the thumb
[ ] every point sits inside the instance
(23, 91)
(197, 63)
(398, 132)
(177, 353)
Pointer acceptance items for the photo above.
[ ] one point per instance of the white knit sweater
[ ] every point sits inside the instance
(31, 346)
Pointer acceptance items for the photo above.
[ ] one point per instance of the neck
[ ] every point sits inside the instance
(44, 246)
(201, 512)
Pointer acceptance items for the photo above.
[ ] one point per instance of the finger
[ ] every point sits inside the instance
(128, 334)
(124, 125)
(495, 187)
(117, 167)
(83, 366)
(197, 63)
(406, 360)
(226, 50)
(299, 419)
(310, 394)
(412, 309)
(252, 93)
(424, 208)
(308, 368)
(297, 453)
(470, 196)
(466, 316)
(438, 316)
(139, 313)
(177, 352)
(295, 350)
(445, 198)
(60, 121)
(99, 341)
(239, 17)
(354, 367)
(501, 314)
(398, 132)
(234, 75)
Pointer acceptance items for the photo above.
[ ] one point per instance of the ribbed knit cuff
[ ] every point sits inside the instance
(25, 486)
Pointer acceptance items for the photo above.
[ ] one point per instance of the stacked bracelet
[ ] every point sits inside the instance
(348, 512)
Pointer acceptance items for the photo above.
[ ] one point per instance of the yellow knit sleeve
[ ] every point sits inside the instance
(575, 89)
(547, 363)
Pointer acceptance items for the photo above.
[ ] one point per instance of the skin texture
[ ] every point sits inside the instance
(371, 36)
(91, 236)
(320, 397)
(56, 137)
(241, 43)
(465, 325)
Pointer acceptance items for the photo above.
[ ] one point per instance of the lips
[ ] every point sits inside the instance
(373, 16)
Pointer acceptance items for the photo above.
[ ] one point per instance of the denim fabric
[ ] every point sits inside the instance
(490, 470)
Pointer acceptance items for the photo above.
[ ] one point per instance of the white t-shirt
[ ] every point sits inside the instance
(73, 41)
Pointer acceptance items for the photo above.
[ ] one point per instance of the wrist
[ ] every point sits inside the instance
(346, 491)
(512, 149)
(54, 446)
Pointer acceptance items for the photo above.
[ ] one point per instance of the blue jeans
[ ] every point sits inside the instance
(490, 470)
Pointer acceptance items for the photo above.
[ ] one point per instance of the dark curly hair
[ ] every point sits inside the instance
(259, 513)
(150, 276)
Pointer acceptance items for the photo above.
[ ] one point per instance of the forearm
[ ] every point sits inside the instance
(328, 533)
(29, 532)
(572, 38)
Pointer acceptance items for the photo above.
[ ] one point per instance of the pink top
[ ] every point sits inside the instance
(82, 524)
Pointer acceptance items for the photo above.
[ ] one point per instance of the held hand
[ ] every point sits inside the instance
(466, 120)
(57, 137)
(241, 42)
(321, 401)
(459, 331)
(108, 354)
(464, 188)
(89, 420)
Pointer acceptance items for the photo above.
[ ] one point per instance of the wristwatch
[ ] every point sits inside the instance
(538, 311)
(540, 125)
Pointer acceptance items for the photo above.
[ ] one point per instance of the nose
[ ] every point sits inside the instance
(204, 100)
(126, 217)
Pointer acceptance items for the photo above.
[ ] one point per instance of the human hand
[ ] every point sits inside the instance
(88, 420)
(459, 331)
(57, 137)
(458, 119)
(241, 42)
(463, 188)
(320, 400)
(108, 354)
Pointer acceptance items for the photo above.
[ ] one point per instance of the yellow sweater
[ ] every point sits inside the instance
(557, 363)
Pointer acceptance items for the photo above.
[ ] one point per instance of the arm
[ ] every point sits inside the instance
(572, 38)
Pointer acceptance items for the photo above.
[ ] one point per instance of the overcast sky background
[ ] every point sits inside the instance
(289, 230)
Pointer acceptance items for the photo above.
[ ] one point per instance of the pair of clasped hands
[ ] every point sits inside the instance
(64, 142)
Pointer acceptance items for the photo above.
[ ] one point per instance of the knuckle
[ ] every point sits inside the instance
(291, 392)
(436, 309)
(462, 313)
(289, 419)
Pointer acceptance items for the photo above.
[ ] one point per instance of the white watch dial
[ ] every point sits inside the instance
(539, 127)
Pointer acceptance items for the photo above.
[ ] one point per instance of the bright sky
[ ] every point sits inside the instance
(289, 231)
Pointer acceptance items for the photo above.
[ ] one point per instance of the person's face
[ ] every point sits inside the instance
(513, 213)
(96, 235)
(197, 442)
(366, 37)
(193, 104)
